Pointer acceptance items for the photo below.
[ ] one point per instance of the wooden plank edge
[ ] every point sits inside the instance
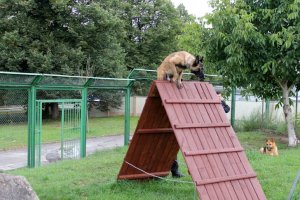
(198, 125)
(192, 101)
(143, 176)
(225, 179)
(154, 130)
(213, 151)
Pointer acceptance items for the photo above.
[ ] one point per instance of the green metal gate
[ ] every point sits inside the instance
(70, 130)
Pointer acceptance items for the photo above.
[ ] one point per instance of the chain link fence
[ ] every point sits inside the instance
(13, 119)
(46, 115)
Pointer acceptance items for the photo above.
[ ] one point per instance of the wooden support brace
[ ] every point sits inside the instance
(155, 130)
(140, 176)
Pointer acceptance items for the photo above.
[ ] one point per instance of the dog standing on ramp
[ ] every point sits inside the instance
(172, 67)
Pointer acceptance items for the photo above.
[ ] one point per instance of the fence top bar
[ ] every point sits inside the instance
(66, 76)
(59, 100)
(16, 78)
(151, 70)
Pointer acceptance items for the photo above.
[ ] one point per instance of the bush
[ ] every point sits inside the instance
(257, 121)
(253, 122)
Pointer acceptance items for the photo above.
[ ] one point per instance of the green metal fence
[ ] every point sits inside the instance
(25, 96)
(70, 93)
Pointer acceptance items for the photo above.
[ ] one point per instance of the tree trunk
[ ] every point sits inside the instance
(288, 116)
(54, 111)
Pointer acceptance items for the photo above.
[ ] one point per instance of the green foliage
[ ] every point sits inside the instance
(190, 38)
(253, 122)
(93, 38)
(255, 42)
(256, 46)
(151, 28)
(62, 37)
(256, 121)
(109, 99)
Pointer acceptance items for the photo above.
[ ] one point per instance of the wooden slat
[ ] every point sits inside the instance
(155, 130)
(212, 151)
(198, 125)
(139, 176)
(192, 101)
(224, 179)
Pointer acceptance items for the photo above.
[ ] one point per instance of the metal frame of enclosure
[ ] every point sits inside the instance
(33, 82)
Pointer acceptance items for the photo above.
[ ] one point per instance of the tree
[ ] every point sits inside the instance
(72, 37)
(151, 27)
(256, 45)
(65, 37)
(191, 37)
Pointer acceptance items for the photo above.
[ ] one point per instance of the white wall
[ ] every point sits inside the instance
(243, 109)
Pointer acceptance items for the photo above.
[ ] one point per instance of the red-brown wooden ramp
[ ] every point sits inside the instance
(193, 120)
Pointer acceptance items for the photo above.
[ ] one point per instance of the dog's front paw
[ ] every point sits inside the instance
(179, 85)
(261, 150)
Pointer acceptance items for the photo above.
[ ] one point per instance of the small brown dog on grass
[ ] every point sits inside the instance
(270, 148)
(172, 67)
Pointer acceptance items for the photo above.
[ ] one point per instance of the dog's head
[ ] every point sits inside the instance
(270, 144)
(198, 68)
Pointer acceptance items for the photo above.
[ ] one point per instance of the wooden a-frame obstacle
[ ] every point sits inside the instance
(190, 119)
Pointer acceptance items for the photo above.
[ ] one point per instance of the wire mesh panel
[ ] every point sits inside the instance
(105, 112)
(13, 127)
(13, 119)
(70, 129)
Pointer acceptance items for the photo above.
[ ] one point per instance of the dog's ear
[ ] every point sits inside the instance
(197, 60)
(272, 140)
(201, 59)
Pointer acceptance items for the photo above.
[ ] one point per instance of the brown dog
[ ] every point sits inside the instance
(270, 148)
(173, 65)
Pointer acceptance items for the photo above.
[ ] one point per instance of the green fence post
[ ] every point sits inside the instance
(232, 118)
(83, 123)
(31, 127)
(62, 121)
(127, 116)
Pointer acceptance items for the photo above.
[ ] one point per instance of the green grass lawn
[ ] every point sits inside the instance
(95, 176)
(15, 135)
